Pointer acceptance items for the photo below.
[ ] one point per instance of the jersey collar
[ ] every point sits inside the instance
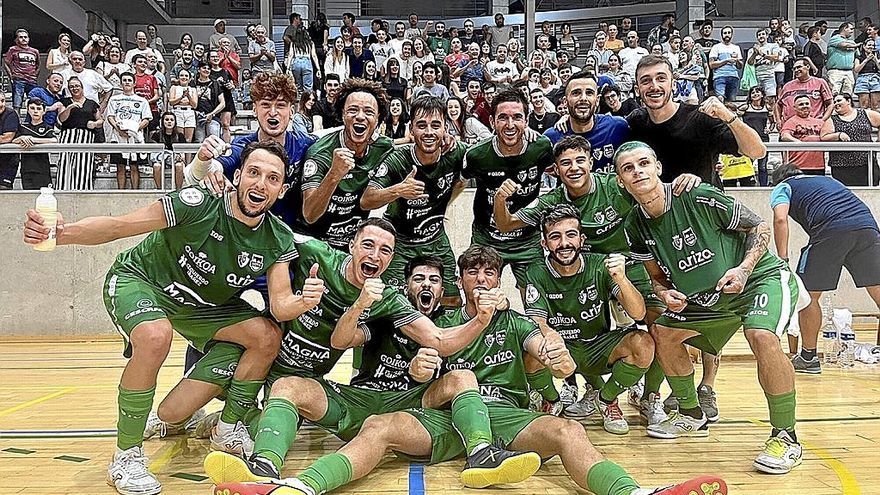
(593, 188)
(497, 150)
(666, 207)
(227, 205)
(556, 274)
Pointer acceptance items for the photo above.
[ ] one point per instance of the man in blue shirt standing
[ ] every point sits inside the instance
(604, 132)
(51, 96)
(842, 233)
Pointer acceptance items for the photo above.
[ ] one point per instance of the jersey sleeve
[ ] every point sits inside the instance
(638, 248)
(526, 329)
(718, 208)
(531, 214)
(535, 297)
(719, 134)
(187, 205)
(388, 172)
(395, 307)
(288, 245)
(781, 195)
(315, 167)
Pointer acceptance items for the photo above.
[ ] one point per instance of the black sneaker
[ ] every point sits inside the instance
(223, 467)
(801, 365)
(493, 465)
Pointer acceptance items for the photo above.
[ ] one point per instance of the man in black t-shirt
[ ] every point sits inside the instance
(325, 108)
(8, 130)
(540, 119)
(35, 166)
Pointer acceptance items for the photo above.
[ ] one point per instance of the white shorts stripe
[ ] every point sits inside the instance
(786, 309)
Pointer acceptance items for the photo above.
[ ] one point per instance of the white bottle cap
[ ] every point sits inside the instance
(46, 190)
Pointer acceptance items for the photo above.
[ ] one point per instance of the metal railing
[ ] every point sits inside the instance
(831, 146)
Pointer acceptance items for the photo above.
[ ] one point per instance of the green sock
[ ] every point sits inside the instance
(653, 379)
(596, 381)
(623, 376)
(240, 397)
(470, 417)
(251, 419)
(542, 381)
(607, 478)
(276, 430)
(684, 390)
(134, 409)
(327, 473)
(357, 357)
(782, 408)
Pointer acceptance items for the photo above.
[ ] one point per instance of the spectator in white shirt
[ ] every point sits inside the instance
(630, 56)
(501, 70)
(140, 38)
(219, 33)
(725, 59)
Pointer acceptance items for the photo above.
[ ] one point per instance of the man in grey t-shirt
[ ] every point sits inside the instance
(261, 51)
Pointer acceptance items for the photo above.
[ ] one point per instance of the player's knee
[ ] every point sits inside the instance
(152, 338)
(172, 413)
(379, 429)
(292, 388)
(567, 431)
(461, 380)
(266, 339)
(641, 349)
(763, 342)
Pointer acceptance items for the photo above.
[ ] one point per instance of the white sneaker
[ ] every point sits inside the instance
(680, 425)
(781, 455)
(585, 407)
(634, 397)
(194, 420)
(568, 395)
(129, 475)
(652, 409)
(612, 417)
(204, 427)
(233, 439)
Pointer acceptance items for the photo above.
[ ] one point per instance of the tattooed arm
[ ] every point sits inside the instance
(757, 239)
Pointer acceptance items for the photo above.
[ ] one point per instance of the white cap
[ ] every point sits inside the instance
(218, 21)
(46, 190)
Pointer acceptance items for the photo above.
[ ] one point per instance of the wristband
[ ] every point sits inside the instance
(728, 122)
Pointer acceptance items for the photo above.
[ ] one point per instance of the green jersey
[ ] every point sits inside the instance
(305, 347)
(485, 164)
(695, 243)
(574, 306)
(338, 224)
(206, 256)
(386, 357)
(440, 47)
(496, 357)
(603, 210)
(419, 221)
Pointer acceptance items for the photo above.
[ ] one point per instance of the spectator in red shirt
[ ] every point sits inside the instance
(22, 63)
(802, 127)
(229, 60)
(348, 20)
(147, 87)
(816, 88)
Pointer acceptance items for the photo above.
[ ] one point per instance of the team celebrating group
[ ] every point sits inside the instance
(618, 273)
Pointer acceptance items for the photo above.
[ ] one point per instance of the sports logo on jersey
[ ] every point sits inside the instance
(533, 172)
(310, 167)
(489, 339)
(256, 263)
(381, 171)
(521, 176)
(582, 297)
(610, 214)
(705, 299)
(592, 292)
(191, 196)
(244, 258)
(531, 294)
(599, 217)
(690, 237)
(677, 242)
(145, 303)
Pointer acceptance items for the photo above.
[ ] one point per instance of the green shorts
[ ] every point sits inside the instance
(507, 422)
(638, 275)
(591, 357)
(130, 301)
(440, 247)
(348, 407)
(217, 365)
(766, 304)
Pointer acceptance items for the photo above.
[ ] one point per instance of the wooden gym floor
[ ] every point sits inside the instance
(58, 413)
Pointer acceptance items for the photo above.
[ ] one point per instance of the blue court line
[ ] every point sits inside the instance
(416, 479)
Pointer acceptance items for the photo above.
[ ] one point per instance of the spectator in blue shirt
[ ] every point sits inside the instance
(51, 96)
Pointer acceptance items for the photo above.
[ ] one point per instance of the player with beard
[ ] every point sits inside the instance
(418, 182)
(569, 294)
(496, 359)
(603, 206)
(338, 166)
(605, 133)
(707, 256)
(184, 276)
(312, 344)
(508, 155)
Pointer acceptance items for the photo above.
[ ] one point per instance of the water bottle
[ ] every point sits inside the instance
(830, 344)
(848, 348)
(47, 207)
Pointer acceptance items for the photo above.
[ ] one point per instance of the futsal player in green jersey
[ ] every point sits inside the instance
(337, 167)
(507, 155)
(418, 182)
(569, 293)
(185, 276)
(311, 346)
(708, 259)
(603, 205)
(496, 359)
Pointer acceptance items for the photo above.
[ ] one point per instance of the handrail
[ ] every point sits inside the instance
(822, 146)
(84, 148)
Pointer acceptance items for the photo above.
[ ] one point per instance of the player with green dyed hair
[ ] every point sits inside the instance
(707, 257)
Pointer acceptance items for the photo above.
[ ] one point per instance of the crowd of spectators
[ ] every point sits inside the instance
(768, 82)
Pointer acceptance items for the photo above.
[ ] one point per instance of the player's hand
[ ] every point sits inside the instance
(36, 230)
(370, 293)
(212, 147)
(530, 135)
(425, 365)
(497, 295)
(507, 189)
(447, 144)
(554, 354)
(615, 263)
(561, 125)
(485, 305)
(685, 183)
(733, 282)
(411, 188)
(313, 288)
(714, 108)
(674, 300)
(343, 162)
(216, 183)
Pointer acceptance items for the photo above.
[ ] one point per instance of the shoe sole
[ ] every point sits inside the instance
(577, 416)
(702, 485)
(809, 371)
(763, 468)
(257, 490)
(670, 436)
(222, 467)
(129, 492)
(619, 432)
(713, 419)
(511, 470)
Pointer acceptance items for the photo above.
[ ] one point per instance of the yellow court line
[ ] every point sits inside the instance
(166, 454)
(848, 482)
(30, 403)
